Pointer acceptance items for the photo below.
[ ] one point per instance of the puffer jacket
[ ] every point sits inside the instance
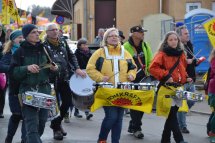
(162, 60)
(98, 66)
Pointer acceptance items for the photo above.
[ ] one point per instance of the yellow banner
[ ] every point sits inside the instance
(209, 26)
(131, 99)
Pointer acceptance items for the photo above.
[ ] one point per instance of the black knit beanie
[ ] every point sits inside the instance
(27, 28)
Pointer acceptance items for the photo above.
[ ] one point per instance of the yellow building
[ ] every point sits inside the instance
(90, 15)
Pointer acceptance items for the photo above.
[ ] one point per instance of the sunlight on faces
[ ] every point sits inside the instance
(184, 35)
(18, 39)
(172, 41)
(33, 37)
(52, 32)
(113, 38)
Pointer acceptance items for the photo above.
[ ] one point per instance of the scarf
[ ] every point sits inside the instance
(172, 51)
(84, 51)
(55, 43)
(14, 47)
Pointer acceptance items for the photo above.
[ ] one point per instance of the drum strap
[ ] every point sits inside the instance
(116, 61)
(170, 71)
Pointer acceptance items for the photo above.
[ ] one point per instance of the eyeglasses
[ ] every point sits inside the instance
(114, 36)
(53, 30)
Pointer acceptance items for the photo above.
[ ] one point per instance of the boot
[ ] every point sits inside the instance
(76, 114)
(57, 135)
(101, 141)
(88, 115)
(63, 131)
(8, 139)
(212, 137)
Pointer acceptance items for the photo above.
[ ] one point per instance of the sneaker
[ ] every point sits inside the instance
(66, 118)
(185, 130)
(63, 131)
(101, 141)
(88, 116)
(138, 134)
(8, 139)
(130, 130)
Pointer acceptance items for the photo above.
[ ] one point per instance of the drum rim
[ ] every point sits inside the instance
(39, 94)
(125, 83)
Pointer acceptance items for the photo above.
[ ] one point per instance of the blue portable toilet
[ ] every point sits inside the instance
(198, 35)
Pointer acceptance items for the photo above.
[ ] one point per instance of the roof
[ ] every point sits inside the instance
(198, 11)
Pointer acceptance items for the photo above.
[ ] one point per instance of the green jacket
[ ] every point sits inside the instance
(147, 52)
(28, 54)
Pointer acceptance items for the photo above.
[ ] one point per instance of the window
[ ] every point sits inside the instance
(213, 6)
(192, 6)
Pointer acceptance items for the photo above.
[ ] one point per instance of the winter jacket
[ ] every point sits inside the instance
(147, 52)
(98, 66)
(82, 58)
(191, 70)
(211, 88)
(29, 54)
(163, 60)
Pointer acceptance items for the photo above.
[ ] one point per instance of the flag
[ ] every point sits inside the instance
(41, 14)
(44, 31)
(23, 14)
(209, 26)
(66, 28)
(5, 16)
(125, 98)
(29, 19)
(14, 11)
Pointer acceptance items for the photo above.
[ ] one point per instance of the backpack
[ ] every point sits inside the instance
(206, 83)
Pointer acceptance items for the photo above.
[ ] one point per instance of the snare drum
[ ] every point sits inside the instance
(143, 86)
(40, 100)
(196, 97)
(82, 92)
(125, 85)
(97, 85)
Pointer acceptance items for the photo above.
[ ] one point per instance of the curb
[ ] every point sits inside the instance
(199, 112)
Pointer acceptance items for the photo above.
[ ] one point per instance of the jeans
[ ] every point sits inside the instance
(14, 123)
(171, 124)
(112, 121)
(136, 120)
(35, 120)
(182, 115)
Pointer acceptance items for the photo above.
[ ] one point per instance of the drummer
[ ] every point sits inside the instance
(142, 55)
(104, 63)
(64, 54)
(24, 68)
(171, 55)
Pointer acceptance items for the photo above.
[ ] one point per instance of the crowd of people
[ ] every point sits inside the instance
(23, 53)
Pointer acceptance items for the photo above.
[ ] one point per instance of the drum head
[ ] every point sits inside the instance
(81, 86)
(148, 79)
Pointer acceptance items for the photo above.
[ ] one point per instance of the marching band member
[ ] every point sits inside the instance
(211, 94)
(64, 54)
(103, 63)
(169, 65)
(24, 68)
(142, 55)
(10, 47)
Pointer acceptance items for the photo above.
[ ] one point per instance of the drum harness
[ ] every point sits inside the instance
(115, 59)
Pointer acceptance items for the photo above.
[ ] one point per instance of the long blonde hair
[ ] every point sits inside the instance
(212, 56)
(104, 41)
(164, 44)
(7, 46)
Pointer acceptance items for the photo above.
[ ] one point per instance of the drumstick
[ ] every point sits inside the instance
(196, 54)
(48, 56)
(115, 73)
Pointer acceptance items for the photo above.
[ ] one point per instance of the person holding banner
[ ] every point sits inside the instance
(168, 66)
(10, 47)
(104, 63)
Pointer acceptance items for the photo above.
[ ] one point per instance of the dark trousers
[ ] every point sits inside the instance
(136, 120)
(2, 99)
(209, 121)
(172, 125)
(66, 98)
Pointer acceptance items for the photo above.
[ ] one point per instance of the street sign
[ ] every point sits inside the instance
(60, 19)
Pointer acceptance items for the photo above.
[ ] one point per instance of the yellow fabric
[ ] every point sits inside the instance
(55, 43)
(57, 108)
(41, 14)
(212, 108)
(164, 104)
(209, 28)
(107, 68)
(131, 99)
(204, 78)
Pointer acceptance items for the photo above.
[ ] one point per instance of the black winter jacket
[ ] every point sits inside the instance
(82, 59)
